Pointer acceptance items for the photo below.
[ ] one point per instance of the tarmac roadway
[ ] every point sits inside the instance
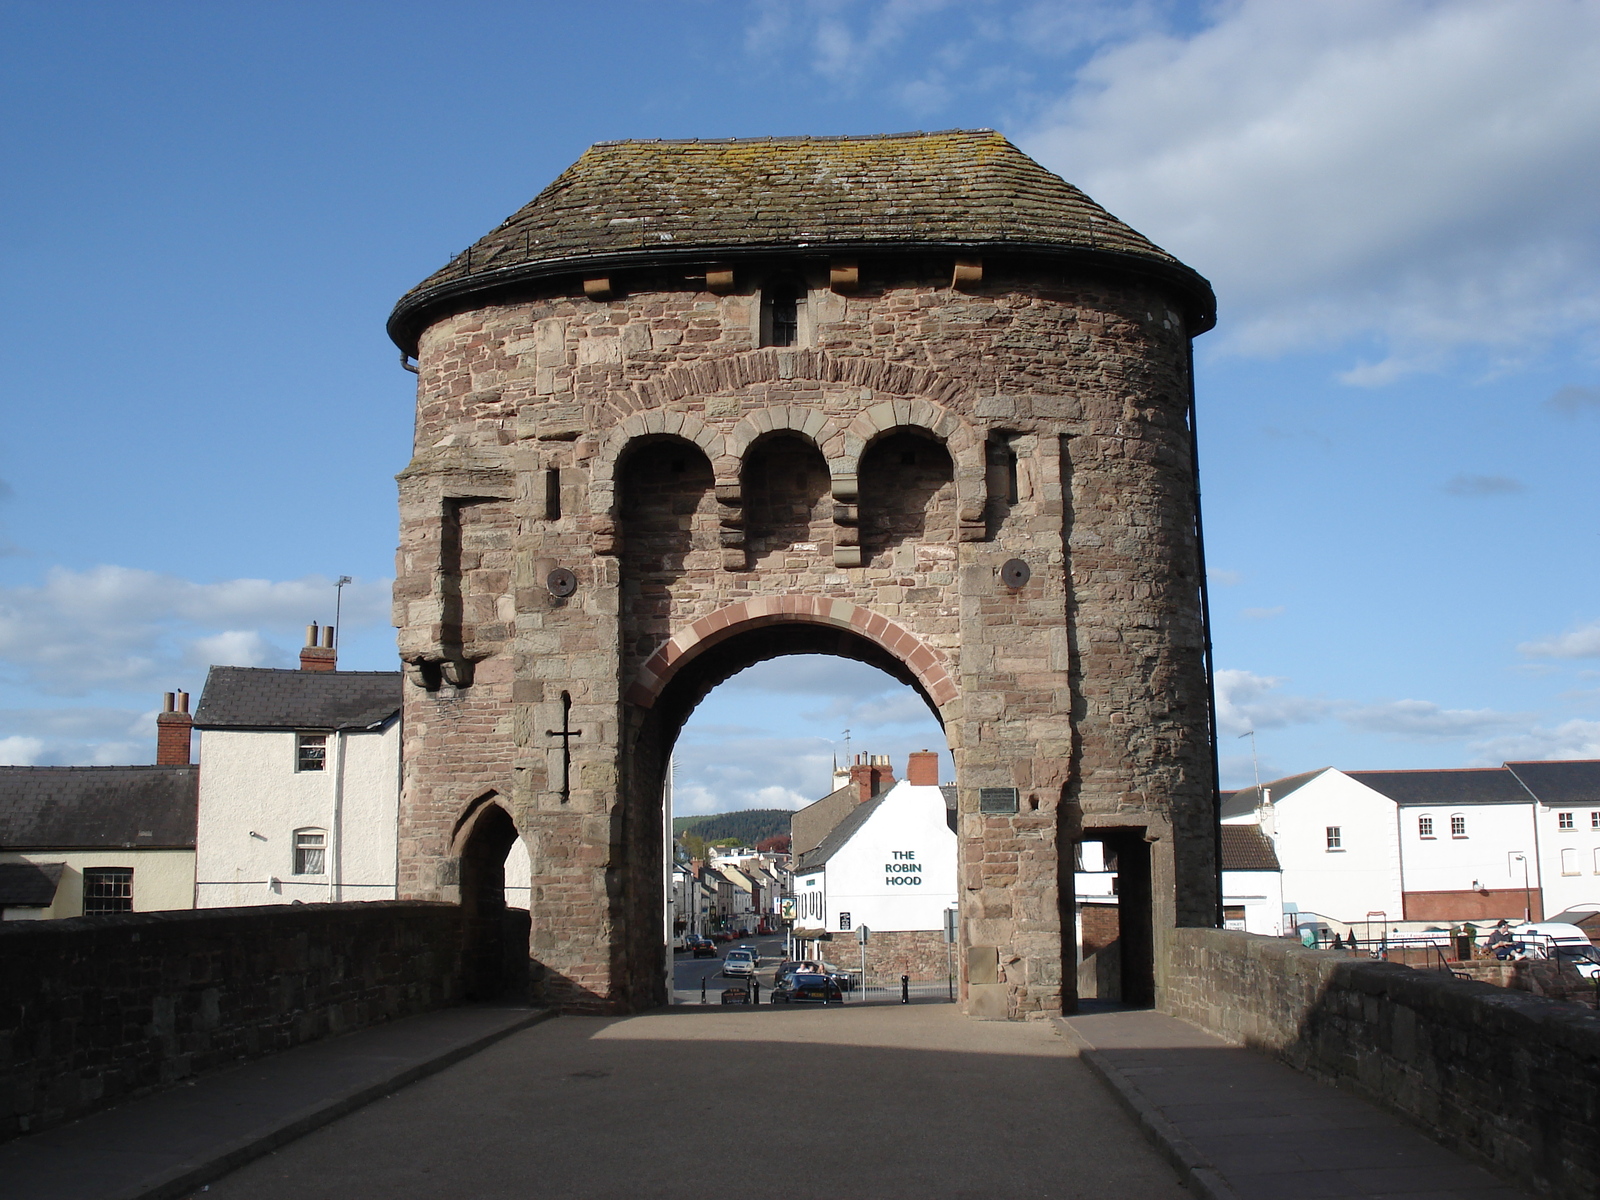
(800, 1103)
(688, 972)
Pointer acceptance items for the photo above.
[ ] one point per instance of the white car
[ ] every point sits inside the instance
(738, 964)
(1554, 939)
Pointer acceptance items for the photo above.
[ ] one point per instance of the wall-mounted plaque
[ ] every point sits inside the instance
(997, 801)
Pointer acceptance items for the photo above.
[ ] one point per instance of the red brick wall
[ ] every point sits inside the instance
(1486, 905)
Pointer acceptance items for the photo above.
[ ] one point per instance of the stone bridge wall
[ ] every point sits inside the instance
(98, 1009)
(1506, 1076)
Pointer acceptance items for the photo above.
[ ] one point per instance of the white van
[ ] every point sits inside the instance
(1553, 939)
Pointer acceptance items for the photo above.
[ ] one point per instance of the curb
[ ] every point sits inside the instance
(1203, 1179)
(180, 1182)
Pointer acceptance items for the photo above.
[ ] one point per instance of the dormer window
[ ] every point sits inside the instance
(781, 305)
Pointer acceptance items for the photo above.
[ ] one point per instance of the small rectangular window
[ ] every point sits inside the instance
(309, 847)
(310, 751)
(1569, 861)
(1335, 838)
(1425, 827)
(1594, 820)
(1564, 821)
(552, 494)
(1458, 826)
(844, 922)
(107, 890)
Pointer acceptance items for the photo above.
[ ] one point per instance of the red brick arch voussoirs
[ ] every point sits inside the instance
(927, 664)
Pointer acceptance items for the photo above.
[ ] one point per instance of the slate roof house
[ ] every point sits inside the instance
(1477, 844)
(83, 841)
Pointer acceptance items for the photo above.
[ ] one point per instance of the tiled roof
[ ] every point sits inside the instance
(1246, 848)
(1246, 800)
(637, 202)
(1575, 782)
(29, 885)
(72, 808)
(262, 698)
(1448, 788)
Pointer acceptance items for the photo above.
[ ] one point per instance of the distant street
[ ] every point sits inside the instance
(689, 972)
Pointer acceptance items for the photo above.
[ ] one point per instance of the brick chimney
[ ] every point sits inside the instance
(871, 774)
(315, 656)
(922, 768)
(172, 731)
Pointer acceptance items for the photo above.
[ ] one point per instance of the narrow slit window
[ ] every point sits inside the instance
(310, 848)
(552, 494)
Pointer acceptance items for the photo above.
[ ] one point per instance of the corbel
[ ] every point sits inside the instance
(719, 280)
(597, 289)
(968, 274)
(730, 516)
(844, 276)
(846, 521)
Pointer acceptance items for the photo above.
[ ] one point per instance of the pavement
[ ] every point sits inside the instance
(489, 1102)
(175, 1142)
(1239, 1125)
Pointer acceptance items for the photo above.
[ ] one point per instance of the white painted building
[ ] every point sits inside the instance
(890, 864)
(1431, 848)
(299, 793)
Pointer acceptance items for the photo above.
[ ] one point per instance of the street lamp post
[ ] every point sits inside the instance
(1527, 887)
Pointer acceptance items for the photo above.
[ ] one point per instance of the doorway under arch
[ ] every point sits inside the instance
(494, 936)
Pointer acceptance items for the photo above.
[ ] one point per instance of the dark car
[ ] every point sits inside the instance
(807, 989)
(702, 947)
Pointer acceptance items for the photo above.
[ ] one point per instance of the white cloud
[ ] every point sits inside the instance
(1421, 174)
(1262, 614)
(1571, 739)
(1583, 642)
(1247, 701)
(1484, 485)
(1424, 719)
(118, 628)
(20, 751)
(1225, 578)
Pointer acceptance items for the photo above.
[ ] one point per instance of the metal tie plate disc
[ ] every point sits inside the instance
(1015, 573)
(561, 582)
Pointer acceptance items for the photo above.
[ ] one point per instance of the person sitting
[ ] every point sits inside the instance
(1500, 941)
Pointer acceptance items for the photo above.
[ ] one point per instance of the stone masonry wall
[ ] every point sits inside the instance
(868, 473)
(1506, 1076)
(96, 1009)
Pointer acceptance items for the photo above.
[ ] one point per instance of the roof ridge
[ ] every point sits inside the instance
(795, 137)
(101, 767)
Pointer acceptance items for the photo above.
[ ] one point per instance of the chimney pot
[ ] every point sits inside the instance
(311, 634)
(327, 637)
(173, 730)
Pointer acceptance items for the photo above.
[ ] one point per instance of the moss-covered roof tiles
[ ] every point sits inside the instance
(636, 201)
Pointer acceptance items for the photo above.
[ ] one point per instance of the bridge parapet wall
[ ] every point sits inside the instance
(1511, 1078)
(98, 1009)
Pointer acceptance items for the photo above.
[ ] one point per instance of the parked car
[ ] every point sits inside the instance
(702, 947)
(845, 978)
(738, 963)
(1555, 939)
(807, 989)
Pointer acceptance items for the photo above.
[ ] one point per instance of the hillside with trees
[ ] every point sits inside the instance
(745, 828)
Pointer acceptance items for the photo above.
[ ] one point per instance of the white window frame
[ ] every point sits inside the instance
(1458, 825)
(319, 847)
(303, 741)
(1425, 826)
(1566, 822)
(1334, 837)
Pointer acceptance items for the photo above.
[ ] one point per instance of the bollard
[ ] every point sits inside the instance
(702, 989)
(905, 989)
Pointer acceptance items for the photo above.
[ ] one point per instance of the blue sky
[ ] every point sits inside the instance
(207, 211)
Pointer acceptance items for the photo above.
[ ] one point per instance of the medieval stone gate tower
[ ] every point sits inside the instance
(912, 400)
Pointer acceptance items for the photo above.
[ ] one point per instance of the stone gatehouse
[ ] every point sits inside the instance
(912, 400)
